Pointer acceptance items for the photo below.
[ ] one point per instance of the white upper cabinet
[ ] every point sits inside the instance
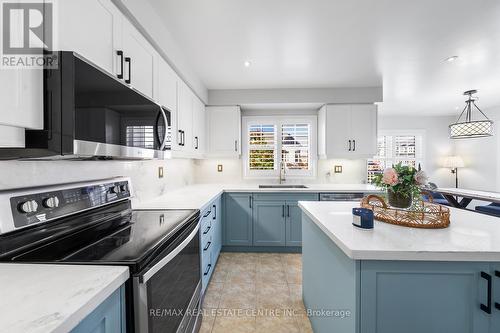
(347, 131)
(92, 28)
(184, 118)
(199, 127)
(98, 31)
(166, 92)
(140, 60)
(364, 130)
(224, 130)
(21, 98)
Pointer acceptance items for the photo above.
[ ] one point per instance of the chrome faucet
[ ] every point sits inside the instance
(282, 172)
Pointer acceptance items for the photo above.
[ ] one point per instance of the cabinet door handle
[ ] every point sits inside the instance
(250, 201)
(288, 210)
(215, 212)
(354, 145)
(349, 145)
(206, 231)
(497, 305)
(207, 213)
(208, 270)
(196, 139)
(208, 246)
(283, 211)
(236, 145)
(487, 308)
(120, 54)
(129, 61)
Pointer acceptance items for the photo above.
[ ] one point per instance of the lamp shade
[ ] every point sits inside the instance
(453, 162)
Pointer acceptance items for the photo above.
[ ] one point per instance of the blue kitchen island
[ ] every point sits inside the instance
(394, 279)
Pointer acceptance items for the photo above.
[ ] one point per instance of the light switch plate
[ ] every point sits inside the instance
(337, 169)
(160, 172)
(219, 167)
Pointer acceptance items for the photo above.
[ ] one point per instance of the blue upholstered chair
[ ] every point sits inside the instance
(436, 198)
(492, 208)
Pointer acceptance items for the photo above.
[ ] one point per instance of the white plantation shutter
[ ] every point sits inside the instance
(395, 148)
(262, 147)
(295, 146)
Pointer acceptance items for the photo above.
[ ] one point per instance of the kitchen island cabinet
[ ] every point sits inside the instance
(396, 279)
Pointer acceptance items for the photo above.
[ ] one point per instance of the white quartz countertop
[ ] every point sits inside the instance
(470, 237)
(53, 298)
(197, 196)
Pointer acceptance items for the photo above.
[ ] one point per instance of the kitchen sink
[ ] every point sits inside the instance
(282, 186)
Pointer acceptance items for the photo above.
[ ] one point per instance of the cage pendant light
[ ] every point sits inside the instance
(465, 127)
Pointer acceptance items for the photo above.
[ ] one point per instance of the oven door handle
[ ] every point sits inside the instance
(153, 270)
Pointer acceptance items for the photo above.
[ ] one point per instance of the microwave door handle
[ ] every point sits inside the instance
(143, 278)
(163, 142)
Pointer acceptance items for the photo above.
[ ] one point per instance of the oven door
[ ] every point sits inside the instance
(167, 294)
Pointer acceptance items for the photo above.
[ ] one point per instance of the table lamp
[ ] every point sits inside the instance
(454, 162)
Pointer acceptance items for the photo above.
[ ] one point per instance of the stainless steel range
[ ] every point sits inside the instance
(93, 223)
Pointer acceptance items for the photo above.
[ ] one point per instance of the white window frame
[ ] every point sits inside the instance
(278, 121)
(410, 132)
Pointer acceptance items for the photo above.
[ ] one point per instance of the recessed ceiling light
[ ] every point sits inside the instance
(247, 63)
(451, 59)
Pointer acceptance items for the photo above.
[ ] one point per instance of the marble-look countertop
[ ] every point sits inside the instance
(470, 237)
(39, 298)
(197, 196)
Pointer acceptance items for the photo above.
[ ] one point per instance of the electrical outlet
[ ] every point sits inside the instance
(337, 169)
(219, 167)
(160, 172)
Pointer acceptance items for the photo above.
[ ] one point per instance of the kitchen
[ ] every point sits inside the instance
(234, 131)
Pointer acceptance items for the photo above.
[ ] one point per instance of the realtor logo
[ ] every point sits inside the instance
(27, 28)
(27, 34)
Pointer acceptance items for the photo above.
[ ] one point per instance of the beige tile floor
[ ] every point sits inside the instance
(255, 293)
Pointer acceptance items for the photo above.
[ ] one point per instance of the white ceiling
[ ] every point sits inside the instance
(398, 44)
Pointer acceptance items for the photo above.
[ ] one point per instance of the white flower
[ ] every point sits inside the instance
(420, 178)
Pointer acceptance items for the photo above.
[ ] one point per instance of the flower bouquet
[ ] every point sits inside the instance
(402, 184)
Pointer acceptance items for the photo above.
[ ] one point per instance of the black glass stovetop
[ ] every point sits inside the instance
(113, 235)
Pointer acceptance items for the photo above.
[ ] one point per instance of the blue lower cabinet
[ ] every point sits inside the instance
(269, 223)
(108, 317)
(415, 297)
(395, 296)
(237, 219)
(495, 322)
(294, 225)
(217, 221)
(211, 239)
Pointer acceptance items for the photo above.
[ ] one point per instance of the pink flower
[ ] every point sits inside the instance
(390, 177)
(420, 178)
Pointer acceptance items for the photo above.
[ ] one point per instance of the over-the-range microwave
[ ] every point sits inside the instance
(88, 113)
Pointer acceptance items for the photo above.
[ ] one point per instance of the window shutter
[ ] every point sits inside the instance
(262, 147)
(295, 146)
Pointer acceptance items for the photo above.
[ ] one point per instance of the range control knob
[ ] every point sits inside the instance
(115, 189)
(29, 206)
(51, 202)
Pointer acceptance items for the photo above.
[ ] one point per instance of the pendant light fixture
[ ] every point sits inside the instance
(466, 127)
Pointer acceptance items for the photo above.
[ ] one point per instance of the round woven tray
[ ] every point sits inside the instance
(427, 215)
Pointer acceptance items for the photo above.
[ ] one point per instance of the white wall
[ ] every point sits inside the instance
(437, 142)
(482, 158)
(144, 174)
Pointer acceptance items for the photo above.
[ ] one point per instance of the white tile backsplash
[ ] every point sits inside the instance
(354, 172)
(144, 174)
